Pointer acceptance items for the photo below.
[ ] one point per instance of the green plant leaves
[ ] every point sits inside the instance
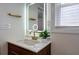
(44, 34)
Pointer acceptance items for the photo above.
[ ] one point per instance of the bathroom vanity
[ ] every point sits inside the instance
(21, 48)
(36, 15)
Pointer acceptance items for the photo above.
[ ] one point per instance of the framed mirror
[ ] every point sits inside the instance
(37, 14)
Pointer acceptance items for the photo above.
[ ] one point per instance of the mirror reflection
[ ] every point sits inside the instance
(36, 16)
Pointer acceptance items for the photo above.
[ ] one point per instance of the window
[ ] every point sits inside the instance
(67, 14)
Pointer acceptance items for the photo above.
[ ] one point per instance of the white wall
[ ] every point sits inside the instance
(16, 32)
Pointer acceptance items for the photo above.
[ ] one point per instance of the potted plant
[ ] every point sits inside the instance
(44, 34)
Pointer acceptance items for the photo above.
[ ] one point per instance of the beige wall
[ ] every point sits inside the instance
(64, 43)
(65, 40)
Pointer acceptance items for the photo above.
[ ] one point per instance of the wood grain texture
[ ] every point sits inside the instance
(16, 50)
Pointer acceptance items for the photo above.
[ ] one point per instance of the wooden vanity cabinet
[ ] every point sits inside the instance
(16, 50)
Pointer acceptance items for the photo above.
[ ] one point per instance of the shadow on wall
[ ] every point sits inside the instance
(3, 45)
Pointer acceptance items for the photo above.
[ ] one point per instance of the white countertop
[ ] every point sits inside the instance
(35, 48)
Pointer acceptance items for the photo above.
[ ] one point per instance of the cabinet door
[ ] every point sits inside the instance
(45, 51)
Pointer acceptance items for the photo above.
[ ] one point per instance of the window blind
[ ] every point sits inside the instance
(67, 15)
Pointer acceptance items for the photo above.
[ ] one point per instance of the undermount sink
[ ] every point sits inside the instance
(29, 42)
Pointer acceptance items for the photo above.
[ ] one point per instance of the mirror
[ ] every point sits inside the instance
(37, 15)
